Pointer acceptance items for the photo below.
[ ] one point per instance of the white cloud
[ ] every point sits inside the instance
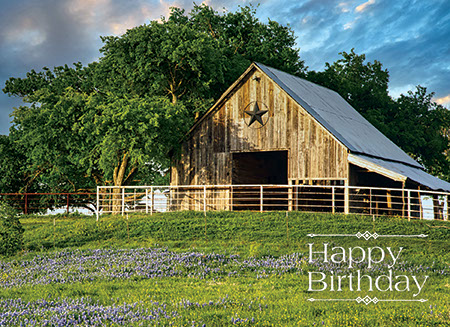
(88, 11)
(363, 6)
(343, 6)
(24, 33)
(349, 25)
(443, 100)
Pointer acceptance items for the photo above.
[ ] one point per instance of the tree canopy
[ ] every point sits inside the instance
(113, 121)
(420, 127)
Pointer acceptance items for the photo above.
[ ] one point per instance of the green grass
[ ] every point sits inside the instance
(244, 233)
(249, 235)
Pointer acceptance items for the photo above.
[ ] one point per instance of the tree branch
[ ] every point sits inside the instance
(132, 172)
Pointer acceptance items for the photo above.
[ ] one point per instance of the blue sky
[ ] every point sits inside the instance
(410, 38)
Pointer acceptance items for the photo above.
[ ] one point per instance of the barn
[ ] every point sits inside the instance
(273, 128)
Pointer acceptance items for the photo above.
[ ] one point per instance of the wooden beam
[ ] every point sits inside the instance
(346, 198)
(372, 167)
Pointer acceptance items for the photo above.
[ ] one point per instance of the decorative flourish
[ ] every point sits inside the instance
(366, 235)
(367, 300)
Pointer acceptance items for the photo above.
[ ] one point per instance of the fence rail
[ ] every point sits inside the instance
(408, 203)
(51, 202)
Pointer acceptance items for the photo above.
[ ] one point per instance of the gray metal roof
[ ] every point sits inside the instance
(415, 174)
(339, 117)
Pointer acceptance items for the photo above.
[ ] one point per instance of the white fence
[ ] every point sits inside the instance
(406, 203)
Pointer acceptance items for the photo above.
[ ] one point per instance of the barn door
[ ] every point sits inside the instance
(260, 168)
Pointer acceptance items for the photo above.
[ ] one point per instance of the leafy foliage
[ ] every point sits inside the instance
(194, 57)
(12, 177)
(114, 121)
(44, 129)
(11, 231)
(420, 127)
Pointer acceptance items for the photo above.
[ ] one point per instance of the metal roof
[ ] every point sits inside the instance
(339, 117)
(415, 174)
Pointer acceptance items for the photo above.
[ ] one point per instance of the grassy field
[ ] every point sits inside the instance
(228, 268)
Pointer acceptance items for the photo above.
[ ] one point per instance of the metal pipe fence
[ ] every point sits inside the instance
(408, 203)
(28, 203)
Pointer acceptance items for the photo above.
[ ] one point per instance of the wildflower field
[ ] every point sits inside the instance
(225, 269)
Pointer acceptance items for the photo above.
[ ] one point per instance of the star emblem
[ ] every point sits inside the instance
(256, 115)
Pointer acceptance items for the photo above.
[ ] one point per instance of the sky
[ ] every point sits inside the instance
(410, 38)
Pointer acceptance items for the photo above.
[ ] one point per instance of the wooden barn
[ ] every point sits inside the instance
(272, 128)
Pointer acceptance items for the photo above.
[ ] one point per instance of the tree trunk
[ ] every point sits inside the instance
(119, 175)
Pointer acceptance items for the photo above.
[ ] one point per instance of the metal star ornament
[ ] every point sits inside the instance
(256, 115)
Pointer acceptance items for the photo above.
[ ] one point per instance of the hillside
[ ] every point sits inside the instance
(227, 268)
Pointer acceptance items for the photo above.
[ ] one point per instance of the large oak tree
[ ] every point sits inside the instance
(114, 121)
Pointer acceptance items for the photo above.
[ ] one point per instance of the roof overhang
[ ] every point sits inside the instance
(375, 168)
(398, 171)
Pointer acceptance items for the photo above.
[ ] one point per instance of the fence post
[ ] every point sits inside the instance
(152, 199)
(261, 198)
(290, 196)
(409, 205)
(68, 195)
(26, 203)
(346, 197)
(332, 199)
(448, 205)
(204, 202)
(146, 200)
(420, 204)
(123, 201)
(98, 202)
(231, 197)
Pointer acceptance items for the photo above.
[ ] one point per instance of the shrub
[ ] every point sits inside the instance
(11, 231)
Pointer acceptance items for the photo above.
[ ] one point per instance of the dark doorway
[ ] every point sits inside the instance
(266, 167)
(260, 168)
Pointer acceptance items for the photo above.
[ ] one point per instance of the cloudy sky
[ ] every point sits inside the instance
(410, 38)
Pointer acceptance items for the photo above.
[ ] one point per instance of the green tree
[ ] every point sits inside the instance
(246, 39)
(44, 130)
(194, 57)
(168, 58)
(418, 125)
(12, 178)
(114, 121)
(78, 138)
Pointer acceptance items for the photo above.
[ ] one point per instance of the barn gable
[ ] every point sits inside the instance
(215, 150)
(303, 132)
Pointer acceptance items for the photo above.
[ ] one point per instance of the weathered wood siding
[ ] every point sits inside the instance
(206, 154)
